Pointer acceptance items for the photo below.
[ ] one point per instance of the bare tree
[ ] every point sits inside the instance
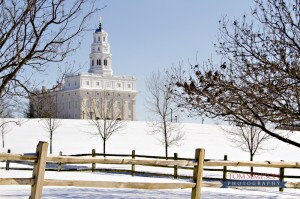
(248, 138)
(257, 82)
(6, 120)
(168, 134)
(45, 107)
(5, 128)
(36, 33)
(105, 111)
(6, 107)
(42, 104)
(160, 103)
(51, 124)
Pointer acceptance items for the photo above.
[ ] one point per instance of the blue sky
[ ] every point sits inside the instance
(148, 35)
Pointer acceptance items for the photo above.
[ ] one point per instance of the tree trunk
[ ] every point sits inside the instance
(166, 150)
(2, 133)
(166, 139)
(2, 141)
(104, 146)
(51, 143)
(251, 159)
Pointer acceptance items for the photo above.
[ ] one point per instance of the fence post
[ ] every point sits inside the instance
(93, 164)
(7, 161)
(59, 164)
(39, 171)
(225, 169)
(281, 176)
(175, 166)
(133, 165)
(198, 173)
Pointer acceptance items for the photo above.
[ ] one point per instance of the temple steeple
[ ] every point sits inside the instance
(100, 25)
(100, 56)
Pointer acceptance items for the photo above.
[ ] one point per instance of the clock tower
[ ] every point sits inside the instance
(100, 56)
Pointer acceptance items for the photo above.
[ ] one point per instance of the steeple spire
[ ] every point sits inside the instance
(100, 25)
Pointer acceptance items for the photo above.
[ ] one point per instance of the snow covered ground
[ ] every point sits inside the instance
(95, 193)
(72, 137)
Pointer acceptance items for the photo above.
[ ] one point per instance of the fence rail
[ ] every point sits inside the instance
(40, 159)
(133, 171)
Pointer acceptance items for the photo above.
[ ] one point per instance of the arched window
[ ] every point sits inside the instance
(99, 49)
(105, 62)
(98, 62)
(98, 38)
(103, 38)
(92, 62)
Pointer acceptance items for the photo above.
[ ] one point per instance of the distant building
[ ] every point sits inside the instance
(80, 92)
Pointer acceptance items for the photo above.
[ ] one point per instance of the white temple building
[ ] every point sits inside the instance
(81, 93)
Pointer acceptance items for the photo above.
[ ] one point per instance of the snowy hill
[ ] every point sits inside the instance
(72, 137)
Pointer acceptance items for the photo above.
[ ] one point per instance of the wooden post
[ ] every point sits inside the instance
(198, 173)
(7, 161)
(175, 166)
(133, 165)
(93, 164)
(39, 171)
(59, 167)
(225, 169)
(281, 176)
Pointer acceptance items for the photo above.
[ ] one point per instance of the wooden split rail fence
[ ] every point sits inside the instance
(40, 158)
(143, 171)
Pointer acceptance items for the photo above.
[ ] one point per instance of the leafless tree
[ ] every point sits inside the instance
(36, 33)
(248, 138)
(6, 126)
(6, 120)
(168, 134)
(42, 104)
(160, 103)
(51, 124)
(258, 80)
(105, 113)
(44, 107)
